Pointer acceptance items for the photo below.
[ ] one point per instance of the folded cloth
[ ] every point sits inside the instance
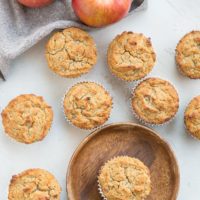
(21, 27)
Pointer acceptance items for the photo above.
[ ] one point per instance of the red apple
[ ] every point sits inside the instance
(98, 13)
(35, 3)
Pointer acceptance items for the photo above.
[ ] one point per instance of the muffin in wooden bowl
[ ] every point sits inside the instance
(124, 178)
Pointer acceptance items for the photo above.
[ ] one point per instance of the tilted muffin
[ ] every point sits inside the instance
(131, 56)
(155, 101)
(124, 178)
(71, 52)
(27, 118)
(192, 117)
(34, 184)
(87, 105)
(188, 55)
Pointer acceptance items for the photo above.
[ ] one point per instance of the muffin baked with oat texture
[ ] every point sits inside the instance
(27, 118)
(87, 105)
(192, 117)
(124, 178)
(34, 184)
(71, 52)
(131, 56)
(188, 55)
(155, 101)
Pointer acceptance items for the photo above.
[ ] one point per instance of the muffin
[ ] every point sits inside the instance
(188, 55)
(155, 101)
(34, 184)
(71, 52)
(192, 117)
(131, 56)
(124, 178)
(27, 118)
(87, 105)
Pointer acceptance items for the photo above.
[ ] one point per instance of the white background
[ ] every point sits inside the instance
(165, 21)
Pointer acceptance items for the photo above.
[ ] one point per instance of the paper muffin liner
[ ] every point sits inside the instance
(142, 120)
(63, 98)
(100, 190)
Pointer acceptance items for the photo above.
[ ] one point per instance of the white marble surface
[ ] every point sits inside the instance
(165, 22)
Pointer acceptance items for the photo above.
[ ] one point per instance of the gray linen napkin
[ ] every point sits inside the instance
(21, 27)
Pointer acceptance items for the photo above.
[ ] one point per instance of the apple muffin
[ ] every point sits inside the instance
(34, 184)
(71, 52)
(87, 105)
(131, 56)
(27, 118)
(155, 101)
(124, 178)
(188, 55)
(192, 117)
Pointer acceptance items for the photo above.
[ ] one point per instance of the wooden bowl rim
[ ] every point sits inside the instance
(150, 132)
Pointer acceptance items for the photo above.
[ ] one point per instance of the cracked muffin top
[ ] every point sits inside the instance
(155, 101)
(87, 105)
(192, 117)
(188, 55)
(125, 178)
(27, 118)
(131, 56)
(34, 184)
(71, 52)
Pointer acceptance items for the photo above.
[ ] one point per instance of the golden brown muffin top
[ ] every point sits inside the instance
(188, 55)
(192, 117)
(155, 101)
(71, 52)
(34, 184)
(87, 105)
(125, 178)
(27, 118)
(131, 56)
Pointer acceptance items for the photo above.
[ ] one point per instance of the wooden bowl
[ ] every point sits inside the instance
(116, 140)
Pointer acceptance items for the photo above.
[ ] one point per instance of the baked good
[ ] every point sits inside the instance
(71, 52)
(188, 55)
(34, 184)
(192, 117)
(124, 178)
(87, 105)
(155, 101)
(27, 118)
(131, 56)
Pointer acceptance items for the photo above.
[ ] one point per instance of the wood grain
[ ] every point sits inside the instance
(122, 139)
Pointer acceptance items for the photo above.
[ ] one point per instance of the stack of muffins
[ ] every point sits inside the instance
(87, 105)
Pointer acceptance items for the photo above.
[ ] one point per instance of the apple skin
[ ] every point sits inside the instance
(35, 3)
(99, 13)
